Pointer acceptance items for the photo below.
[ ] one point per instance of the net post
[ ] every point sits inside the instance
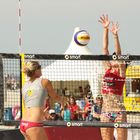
(22, 81)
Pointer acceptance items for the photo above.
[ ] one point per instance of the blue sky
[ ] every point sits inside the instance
(47, 25)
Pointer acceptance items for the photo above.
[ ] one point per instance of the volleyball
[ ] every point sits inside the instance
(82, 38)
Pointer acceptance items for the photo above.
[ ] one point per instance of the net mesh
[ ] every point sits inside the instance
(80, 77)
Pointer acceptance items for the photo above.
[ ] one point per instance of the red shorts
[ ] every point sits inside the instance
(24, 125)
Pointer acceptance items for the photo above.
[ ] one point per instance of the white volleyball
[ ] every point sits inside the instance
(82, 38)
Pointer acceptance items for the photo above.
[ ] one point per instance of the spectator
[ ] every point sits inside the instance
(66, 113)
(87, 90)
(52, 115)
(74, 109)
(97, 107)
(89, 102)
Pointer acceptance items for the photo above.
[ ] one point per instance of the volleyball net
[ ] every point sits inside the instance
(78, 76)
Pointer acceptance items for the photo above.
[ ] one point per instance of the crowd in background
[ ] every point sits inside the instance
(82, 109)
(12, 82)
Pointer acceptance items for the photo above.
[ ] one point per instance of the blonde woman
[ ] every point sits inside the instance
(34, 94)
(113, 109)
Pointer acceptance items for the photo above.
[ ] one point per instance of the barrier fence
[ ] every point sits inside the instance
(71, 75)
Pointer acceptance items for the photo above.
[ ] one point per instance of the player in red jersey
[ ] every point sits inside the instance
(113, 109)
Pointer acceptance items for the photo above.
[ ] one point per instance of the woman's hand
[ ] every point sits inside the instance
(104, 21)
(115, 28)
